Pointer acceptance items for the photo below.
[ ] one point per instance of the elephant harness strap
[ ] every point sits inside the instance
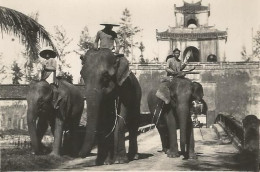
(154, 113)
(117, 104)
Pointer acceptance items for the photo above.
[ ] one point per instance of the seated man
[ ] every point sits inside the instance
(107, 37)
(174, 66)
(48, 65)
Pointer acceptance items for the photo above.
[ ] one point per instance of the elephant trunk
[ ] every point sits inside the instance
(93, 106)
(183, 113)
(31, 121)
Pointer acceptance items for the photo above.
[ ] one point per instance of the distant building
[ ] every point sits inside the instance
(192, 32)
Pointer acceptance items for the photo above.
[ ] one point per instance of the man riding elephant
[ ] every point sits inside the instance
(173, 101)
(48, 104)
(107, 37)
(48, 65)
(174, 66)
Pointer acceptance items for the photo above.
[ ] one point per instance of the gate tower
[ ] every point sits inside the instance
(192, 32)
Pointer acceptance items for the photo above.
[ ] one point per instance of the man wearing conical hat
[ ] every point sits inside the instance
(49, 64)
(107, 37)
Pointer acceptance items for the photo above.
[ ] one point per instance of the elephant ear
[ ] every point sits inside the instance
(123, 70)
(164, 93)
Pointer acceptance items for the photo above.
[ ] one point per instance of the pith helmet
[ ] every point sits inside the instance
(176, 49)
(109, 21)
(47, 52)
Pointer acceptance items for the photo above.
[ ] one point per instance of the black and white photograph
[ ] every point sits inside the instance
(129, 85)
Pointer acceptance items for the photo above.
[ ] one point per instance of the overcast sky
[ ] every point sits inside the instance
(239, 16)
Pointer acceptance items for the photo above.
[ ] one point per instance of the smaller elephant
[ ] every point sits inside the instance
(60, 107)
(172, 111)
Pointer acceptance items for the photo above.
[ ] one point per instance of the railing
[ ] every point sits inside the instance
(243, 134)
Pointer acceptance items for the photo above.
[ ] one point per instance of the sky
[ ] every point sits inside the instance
(239, 16)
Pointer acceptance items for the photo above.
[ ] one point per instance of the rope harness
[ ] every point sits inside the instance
(158, 115)
(116, 120)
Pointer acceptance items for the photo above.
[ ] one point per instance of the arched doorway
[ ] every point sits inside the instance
(195, 56)
(212, 58)
(192, 21)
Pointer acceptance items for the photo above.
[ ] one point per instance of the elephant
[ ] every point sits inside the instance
(113, 96)
(170, 106)
(60, 107)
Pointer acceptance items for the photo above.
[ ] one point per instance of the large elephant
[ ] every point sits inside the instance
(60, 107)
(170, 107)
(109, 79)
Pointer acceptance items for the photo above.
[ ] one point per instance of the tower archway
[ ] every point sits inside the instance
(195, 56)
(192, 22)
(212, 58)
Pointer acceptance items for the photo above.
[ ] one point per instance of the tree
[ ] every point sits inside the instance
(62, 42)
(29, 31)
(244, 54)
(30, 61)
(256, 41)
(17, 74)
(2, 69)
(126, 33)
(86, 42)
(141, 48)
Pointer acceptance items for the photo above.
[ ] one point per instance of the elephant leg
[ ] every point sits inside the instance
(119, 138)
(171, 124)
(190, 141)
(164, 136)
(105, 150)
(41, 128)
(31, 121)
(58, 133)
(74, 140)
(133, 123)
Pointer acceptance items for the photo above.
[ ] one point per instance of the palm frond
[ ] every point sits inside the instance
(29, 31)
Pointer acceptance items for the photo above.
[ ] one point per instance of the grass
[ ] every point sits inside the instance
(18, 159)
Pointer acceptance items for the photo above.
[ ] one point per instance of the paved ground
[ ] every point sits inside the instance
(212, 156)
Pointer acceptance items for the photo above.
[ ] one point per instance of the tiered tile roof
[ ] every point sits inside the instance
(178, 33)
(192, 8)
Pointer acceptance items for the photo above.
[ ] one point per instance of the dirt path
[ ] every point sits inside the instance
(211, 156)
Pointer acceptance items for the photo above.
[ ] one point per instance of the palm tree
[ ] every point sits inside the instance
(25, 28)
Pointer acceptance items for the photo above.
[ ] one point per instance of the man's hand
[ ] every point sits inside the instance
(181, 74)
(189, 53)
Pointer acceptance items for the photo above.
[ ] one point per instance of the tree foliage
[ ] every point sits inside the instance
(17, 74)
(2, 69)
(86, 42)
(126, 33)
(29, 31)
(256, 40)
(30, 61)
(62, 42)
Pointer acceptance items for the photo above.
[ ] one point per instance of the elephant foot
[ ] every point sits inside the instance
(172, 154)
(83, 154)
(121, 160)
(54, 154)
(108, 161)
(132, 157)
(165, 150)
(193, 156)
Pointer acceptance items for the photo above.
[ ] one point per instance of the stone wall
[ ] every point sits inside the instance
(228, 87)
